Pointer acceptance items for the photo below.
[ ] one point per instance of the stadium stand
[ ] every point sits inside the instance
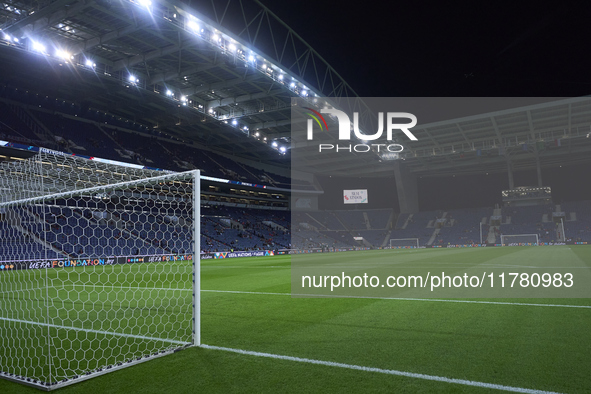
(578, 217)
(29, 117)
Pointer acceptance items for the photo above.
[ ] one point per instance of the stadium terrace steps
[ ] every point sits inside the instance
(432, 239)
(367, 222)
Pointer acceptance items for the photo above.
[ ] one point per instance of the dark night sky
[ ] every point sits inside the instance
(427, 49)
(414, 49)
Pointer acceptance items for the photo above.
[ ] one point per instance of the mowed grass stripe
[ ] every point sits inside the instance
(519, 346)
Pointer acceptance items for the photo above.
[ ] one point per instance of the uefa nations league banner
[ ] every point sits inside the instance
(73, 263)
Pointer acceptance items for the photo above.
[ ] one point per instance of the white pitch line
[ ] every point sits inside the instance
(342, 296)
(383, 371)
(404, 299)
(118, 334)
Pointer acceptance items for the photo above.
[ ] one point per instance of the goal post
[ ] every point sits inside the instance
(404, 242)
(99, 267)
(519, 239)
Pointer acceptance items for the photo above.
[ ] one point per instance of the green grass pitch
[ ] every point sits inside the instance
(246, 304)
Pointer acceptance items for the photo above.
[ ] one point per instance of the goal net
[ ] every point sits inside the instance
(519, 239)
(404, 243)
(99, 267)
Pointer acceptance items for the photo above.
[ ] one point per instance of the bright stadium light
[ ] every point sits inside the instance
(292, 85)
(183, 98)
(232, 47)
(133, 79)
(282, 149)
(37, 46)
(251, 58)
(274, 144)
(168, 93)
(281, 77)
(6, 37)
(193, 25)
(264, 66)
(257, 134)
(145, 3)
(62, 54)
(245, 128)
(234, 122)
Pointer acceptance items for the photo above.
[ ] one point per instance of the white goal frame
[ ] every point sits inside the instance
(404, 239)
(31, 191)
(504, 236)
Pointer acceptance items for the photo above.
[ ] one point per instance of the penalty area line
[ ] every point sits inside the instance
(403, 299)
(335, 296)
(382, 371)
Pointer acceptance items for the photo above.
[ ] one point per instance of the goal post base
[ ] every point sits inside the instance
(47, 386)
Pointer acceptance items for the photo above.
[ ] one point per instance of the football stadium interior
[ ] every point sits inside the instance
(137, 134)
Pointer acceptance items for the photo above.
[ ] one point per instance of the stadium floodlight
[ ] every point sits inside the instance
(292, 85)
(214, 37)
(282, 149)
(84, 259)
(7, 37)
(133, 79)
(183, 98)
(37, 46)
(168, 93)
(257, 134)
(15, 39)
(145, 3)
(251, 58)
(62, 54)
(304, 93)
(274, 144)
(280, 77)
(232, 47)
(234, 122)
(264, 66)
(245, 128)
(193, 25)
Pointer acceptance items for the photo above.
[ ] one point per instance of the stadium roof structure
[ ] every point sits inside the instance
(223, 74)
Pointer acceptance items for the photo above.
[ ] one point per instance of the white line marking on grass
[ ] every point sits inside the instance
(382, 371)
(242, 266)
(118, 334)
(404, 299)
(342, 296)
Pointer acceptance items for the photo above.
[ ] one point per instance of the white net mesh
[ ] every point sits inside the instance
(96, 267)
(519, 239)
(404, 242)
